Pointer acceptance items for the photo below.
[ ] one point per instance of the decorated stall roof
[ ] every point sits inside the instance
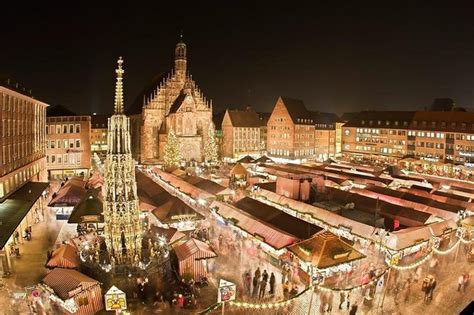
(325, 250)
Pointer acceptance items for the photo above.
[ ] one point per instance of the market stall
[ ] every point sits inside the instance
(73, 291)
(192, 258)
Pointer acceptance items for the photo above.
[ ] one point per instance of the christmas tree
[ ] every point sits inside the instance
(172, 155)
(210, 146)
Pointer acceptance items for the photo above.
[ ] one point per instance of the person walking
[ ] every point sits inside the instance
(248, 282)
(272, 284)
(353, 310)
(263, 286)
(256, 283)
(342, 299)
(431, 288)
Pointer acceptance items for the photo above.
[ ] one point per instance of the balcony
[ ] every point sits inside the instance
(411, 147)
(449, 140)
(449, 151)
(412, 138)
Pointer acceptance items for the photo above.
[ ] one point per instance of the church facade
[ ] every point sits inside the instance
(172, 100)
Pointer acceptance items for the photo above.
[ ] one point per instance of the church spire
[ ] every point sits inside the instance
(119, 88)
(180, 57)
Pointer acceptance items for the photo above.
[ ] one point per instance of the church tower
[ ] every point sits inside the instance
(180, 59)
(123, 231)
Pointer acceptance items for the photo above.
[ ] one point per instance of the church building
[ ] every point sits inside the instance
(171, 101)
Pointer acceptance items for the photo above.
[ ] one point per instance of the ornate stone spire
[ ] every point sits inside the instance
(123, 232)
(119, 88)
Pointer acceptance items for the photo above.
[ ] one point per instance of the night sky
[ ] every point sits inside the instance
(341, 58)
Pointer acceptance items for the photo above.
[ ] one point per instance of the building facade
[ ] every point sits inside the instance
(293, 132)
(99, 134)
(68, 146)
(242, 133)
(22, 168)
(432, 136)
(23, 141)
(171, 101)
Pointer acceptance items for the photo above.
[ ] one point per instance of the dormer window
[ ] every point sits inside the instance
(387, 123)
(362, 122)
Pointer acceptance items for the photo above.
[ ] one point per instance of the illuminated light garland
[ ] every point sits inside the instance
(464, 241)
(444, 252)
(414, 265)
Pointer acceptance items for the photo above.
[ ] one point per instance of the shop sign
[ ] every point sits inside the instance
(227, 291)
(115, 299)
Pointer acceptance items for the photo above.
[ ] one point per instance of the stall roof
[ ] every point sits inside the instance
(89, 209)
(16, 206)
(63, 281)
(172, 235)
(238, 170)
(204, 184)
(70, 194)
(175, 210)
(246, 159)
(64, 257)
(271, 235)
(325, 250)
(282, 220)
(194, 247)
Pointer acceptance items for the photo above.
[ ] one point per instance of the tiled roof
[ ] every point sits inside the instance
(443, 121)
(325, 250)
(137, 106)
(298, 112)
(381, 119)
(194, 247)
(244, 118)
(99, 121)
(58, 110)
(63, 281)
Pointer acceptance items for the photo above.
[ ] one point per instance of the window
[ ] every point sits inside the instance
(58, 129)
(53, 159)
(347, 132)
(78, 143)
(47, 129)
(53, 144)
(78, 128)
(64, 128)
(65, 158)
(59, 159)
(66, 143)
(71, 144)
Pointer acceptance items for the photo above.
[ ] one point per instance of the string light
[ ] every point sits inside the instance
(444, 252)
(414, 265)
